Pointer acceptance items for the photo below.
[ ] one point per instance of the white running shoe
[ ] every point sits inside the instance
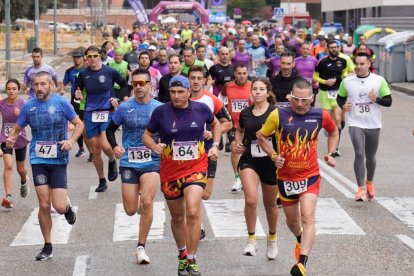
(142, 258)
(272, 249)
(237, 186)
(250, 248)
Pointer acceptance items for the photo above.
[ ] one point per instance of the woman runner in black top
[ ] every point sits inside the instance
(256, 167)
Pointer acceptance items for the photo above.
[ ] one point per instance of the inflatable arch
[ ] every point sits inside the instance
(170, 6)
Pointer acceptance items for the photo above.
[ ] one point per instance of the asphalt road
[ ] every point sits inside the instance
(354, 238)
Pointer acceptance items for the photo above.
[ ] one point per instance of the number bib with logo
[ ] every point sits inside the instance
(363, 109)
(139, 154)
(295, 187)
(185, 150)
(239, 105)
(7, 129)
(100, 116)
(46, 149)
(256, 150)
(332, 94)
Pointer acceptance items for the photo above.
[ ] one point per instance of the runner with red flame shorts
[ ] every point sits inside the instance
(298, 176)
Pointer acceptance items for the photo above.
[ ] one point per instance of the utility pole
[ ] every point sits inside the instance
(55, 49)
(8, 44)
(37, 22)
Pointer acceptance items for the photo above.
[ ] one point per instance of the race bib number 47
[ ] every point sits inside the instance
(185, 150)
(100, 116)
(139, 154)
(295, 187)
(46, 149)
(239, 105)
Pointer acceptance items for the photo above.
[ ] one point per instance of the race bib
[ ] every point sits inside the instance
(7, 129)
(139, 154)
(239, 105)
(100, 116)
(46, 149)
(185, 150)
(256, 150)
(363, 109)
(295, 187)
(332, 94)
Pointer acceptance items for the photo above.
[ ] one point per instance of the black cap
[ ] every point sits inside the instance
(77, 53)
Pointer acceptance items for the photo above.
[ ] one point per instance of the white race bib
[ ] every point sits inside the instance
(332, 94)
(185, 150)
(139, 154)
(46, 149)
(7, 129)
(100, 116)
(256, 150)
(363, 109)
(295, 187)
(239, 105)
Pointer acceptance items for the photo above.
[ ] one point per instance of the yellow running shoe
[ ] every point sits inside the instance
(298, 270)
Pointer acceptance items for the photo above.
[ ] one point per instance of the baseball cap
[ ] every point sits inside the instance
(152, 47)
(177, 36)
(77, 53)
(180, 81)
(141, 34)
(250, 30)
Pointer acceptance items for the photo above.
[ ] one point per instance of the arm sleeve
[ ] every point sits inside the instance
(79, 81)
(110, 133)
(271, 124)
(316, 78)
(327, 122)
(384, 101)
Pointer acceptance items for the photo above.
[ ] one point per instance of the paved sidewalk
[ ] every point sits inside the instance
(405, 87)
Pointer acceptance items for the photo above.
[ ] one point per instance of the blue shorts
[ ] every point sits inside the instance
(52, 175)
(94, 129)
(132, 175)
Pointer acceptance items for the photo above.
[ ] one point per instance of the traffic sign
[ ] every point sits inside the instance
(279, 12)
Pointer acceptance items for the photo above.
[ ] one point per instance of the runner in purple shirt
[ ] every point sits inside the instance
(241, 55)
(274, 62)
(10, 110)
(162, 63)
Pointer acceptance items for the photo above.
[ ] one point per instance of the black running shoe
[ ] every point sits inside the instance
(102, 187)
(45, 254)
(279, 202)
(90, 157)
(221, 144)
(112, 170)
(80, 153)
(70, 215)
(202, 234)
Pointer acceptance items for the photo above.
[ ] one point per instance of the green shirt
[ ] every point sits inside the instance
(122, 68)
(185, 68)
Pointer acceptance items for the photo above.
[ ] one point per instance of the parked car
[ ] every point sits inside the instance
(59, 26)
(75, 26)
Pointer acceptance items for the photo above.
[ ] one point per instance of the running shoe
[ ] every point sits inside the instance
(24, 189)
(297, 251)
(182, 267)
(221, 144)
(81, 152)
(237, 186)
(193, 269)
(272, 249)
(361, 194)
(250, 248)
(298, 270)
(142, 257)
(7, 202)
(70, 215)
(90, 157)
(370, 191)
(46, 253)
(202, 233)
(112, 170)
(227, 149)
(101, 187)
(337, 153)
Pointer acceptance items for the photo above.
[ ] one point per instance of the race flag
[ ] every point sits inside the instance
(139, 9)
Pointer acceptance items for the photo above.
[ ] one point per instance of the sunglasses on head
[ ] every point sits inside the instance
(140, 83)
(297, 99)
(93, 56)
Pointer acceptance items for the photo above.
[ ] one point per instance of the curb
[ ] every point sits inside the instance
(407, 88)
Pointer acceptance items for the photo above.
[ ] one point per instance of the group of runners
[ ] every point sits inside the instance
(172, 127)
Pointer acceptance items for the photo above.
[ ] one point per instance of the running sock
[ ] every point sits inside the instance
(102, 180)
(191, 258)
(299, 238)
(48, 248)
(182, 252)
(236, 175)
(23, 182)
(252, 235)
(141, 245)
(9, 196)
(342, 124)
(272, 236)
(303, 259)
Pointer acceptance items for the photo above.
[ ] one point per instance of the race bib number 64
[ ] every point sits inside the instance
(295, 187)
(185, 150)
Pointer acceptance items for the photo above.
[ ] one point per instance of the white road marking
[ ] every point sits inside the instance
(227, 218)
(30, 233)
(409, 242)
(80, 265)
(401, 207)
(126, 228)
(331, 219)
(92, 193)
(336, 185)
(337, 175)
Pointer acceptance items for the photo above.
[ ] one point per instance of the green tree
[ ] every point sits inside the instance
(23, 9)
(249, 8)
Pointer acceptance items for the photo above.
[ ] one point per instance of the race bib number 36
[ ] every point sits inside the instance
(239, 105)
(185, 150)
(256, 150)
(363, 109)
(46, 149)
(332, 94)
(295, 187)
(100, 116)
(139, 154)
(7, 129)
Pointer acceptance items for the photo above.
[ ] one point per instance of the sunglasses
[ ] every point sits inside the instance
(140, 83)
(93, 56)
(297, 99)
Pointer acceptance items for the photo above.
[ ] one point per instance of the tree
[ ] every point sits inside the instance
(249, 8)
(23, 9)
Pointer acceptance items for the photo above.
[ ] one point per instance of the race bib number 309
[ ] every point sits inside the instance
(295, 187)
(185, 150)
(46, 149)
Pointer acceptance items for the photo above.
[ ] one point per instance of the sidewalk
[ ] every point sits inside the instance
(405, 87)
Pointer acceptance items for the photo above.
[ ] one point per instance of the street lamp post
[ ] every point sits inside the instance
(37, 22)
(8, 44)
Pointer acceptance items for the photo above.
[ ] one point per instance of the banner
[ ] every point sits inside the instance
(139, 10)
